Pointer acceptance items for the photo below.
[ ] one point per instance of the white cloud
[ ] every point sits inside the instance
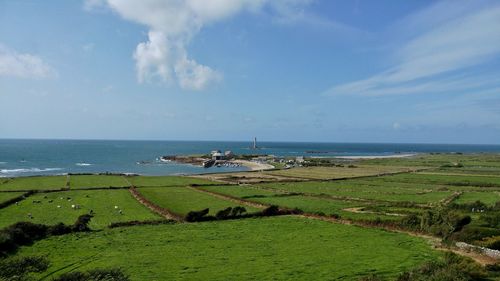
(466, 39)
(172, 24)
(15, 64)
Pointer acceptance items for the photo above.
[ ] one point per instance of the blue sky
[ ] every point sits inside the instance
(297, 70)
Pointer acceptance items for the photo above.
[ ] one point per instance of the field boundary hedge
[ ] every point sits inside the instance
(153, 207)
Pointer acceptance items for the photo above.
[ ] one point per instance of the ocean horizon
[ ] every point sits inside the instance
(29, 157)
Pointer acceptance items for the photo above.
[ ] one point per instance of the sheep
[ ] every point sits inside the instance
(116, 207)
(58, 206)
(120, 212)
(17, 203)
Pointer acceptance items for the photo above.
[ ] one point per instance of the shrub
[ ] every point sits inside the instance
(18, 268)
(272, 210)
(113, 274)
(223, 214)
(452, 268)
(195, 216)
(82, 223)
(59, 229)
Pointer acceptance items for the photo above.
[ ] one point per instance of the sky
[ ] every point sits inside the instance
(280, 70)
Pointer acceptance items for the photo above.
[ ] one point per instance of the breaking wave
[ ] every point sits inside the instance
(28, 170)
(83, 164)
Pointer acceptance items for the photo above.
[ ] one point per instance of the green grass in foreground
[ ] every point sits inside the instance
(279, 248)
(35, 183)
(181, 200)
(96, 181)
(166, 181)
(102, 202)
(4, 196)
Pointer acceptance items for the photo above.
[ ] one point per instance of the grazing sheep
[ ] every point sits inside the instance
(30, 216)
(62, 198)
(120, 212)
(116, 207)
(17, 203)
(58, 206)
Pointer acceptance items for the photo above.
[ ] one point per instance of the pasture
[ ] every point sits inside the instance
(97, 181)
(347, 171)
(5, 196)
(55, 207)
(182, 200)
(284, 248)
(35, 183)
(140, 181)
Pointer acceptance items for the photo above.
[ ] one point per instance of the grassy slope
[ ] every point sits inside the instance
(102, 202)
(89, 181)
(4, 196)
(181, 200)
(166, 181)
(283, 248)
(35, 183)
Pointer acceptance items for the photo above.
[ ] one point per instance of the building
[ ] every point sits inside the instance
(217, 155)
(228, 154)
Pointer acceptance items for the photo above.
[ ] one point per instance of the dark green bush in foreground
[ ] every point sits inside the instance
(17, 269)
(25, 233)
(113, 274)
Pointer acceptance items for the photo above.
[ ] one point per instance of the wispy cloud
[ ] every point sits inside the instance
(440, 57)
(24, 65)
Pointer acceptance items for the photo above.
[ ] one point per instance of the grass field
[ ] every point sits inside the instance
(181, 200)
(305, 203)
(102, 202)
(4, 196)
(348, 189)
(96, 181)
(284, 248)
(35, 183)
(166, 181)
(323, 173)
(489, 198)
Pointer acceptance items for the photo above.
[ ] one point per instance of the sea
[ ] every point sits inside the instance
(23, 157)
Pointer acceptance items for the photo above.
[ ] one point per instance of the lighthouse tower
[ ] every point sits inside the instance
(254, 143)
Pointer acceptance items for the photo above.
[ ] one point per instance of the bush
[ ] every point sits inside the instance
(59, 229)
(82, 223)
(195, 216)
(452, 268)
(223, 214)
(17, 269)
(272, 210)
(113, 274)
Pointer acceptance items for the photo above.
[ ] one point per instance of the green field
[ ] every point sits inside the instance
(139, 181)
(304, 203)
(322, 173)
(181, 200)
(35, 183)
(284, 248)
(102, 202)
(4, 196)
(97, 181)
(351, 189)
(489, 198)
